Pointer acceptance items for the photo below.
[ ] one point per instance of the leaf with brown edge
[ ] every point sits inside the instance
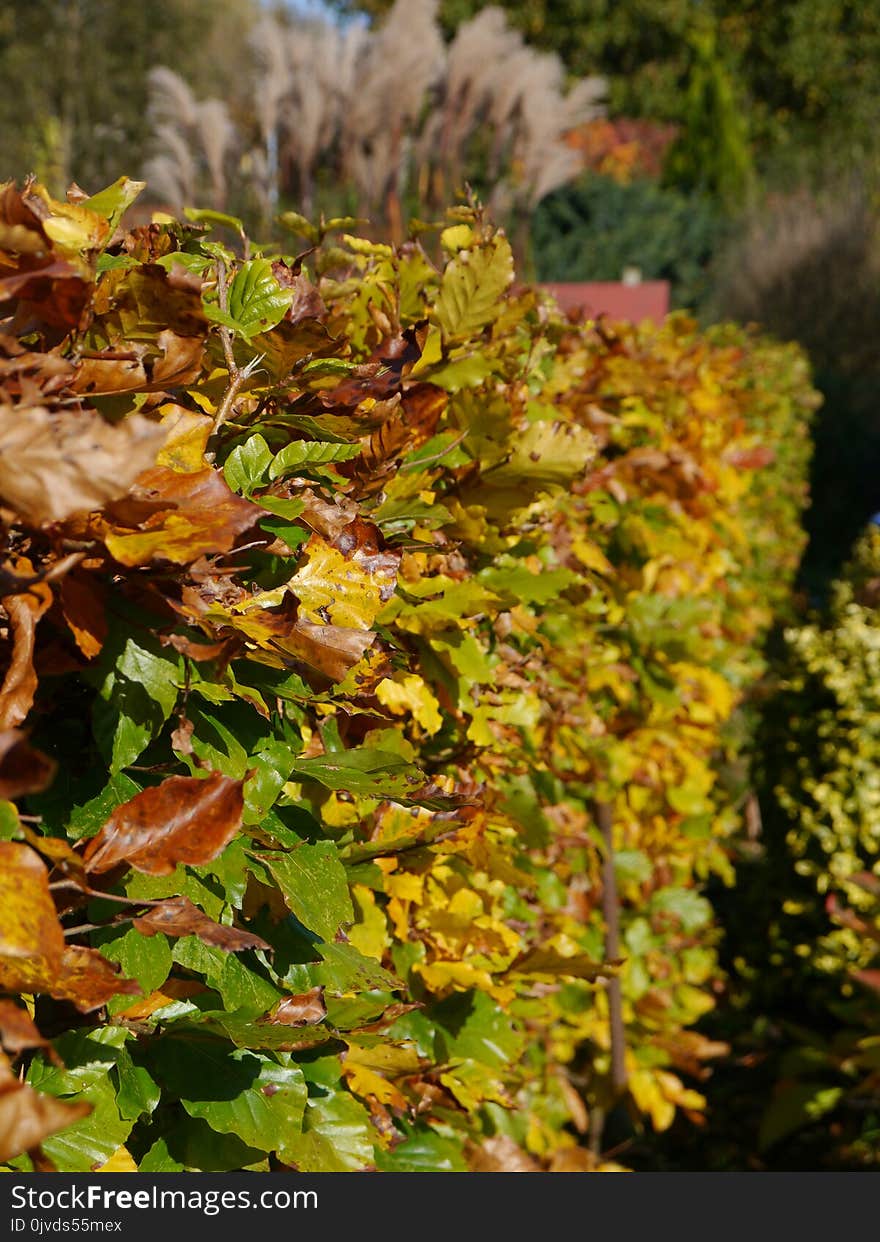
(56, 464)
(177, 916)
(17, 1030)
(183, 820)
(23, 770)
(84, 608)
(20, 683)
(27, 1117)
(199, 514)
(87, 979)
(303, 1010)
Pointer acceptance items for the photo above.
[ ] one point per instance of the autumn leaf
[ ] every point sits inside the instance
(56, 464)
(177, 916)
(300, 1010)
(23, 769)
(27, 1117)
(183, 820)
(87, 979)
(31, 939)
(17, 1030)
(20, 683)
(196, 513)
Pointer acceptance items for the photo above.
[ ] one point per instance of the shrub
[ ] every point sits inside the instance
(336, 602)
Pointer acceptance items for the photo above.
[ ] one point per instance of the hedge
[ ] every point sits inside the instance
(373, 636)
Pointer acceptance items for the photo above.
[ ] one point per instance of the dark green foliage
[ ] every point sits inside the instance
(595, 228)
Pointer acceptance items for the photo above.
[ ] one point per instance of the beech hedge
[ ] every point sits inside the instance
(374, 640)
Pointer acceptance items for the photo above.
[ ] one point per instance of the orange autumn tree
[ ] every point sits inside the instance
(339, 590)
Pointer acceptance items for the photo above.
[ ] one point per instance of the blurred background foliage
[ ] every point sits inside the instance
(727, 146)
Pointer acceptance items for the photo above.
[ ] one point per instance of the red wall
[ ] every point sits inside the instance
(648, 300)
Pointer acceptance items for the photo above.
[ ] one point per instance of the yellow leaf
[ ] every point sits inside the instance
(119, 1162)
(369, 934)
(410, 694)
(334, 590)
(187, 436)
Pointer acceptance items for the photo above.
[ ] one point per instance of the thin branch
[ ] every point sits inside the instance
(611, 915)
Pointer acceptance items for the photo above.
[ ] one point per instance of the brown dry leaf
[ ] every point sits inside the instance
(27, 1117)
(500, 1154)
(84, 611)
(302, 1010)
(198, 514)
(17, 1031)
(23, 770)
(20, 682)
(31, 939)
(87, 979)
(328, 649)
(197, 651)
(56, 464)
(170, 361)
(183, 820)
(177, 916)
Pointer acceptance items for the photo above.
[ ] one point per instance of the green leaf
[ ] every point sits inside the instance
(138, 1092)
(246, 464)
(310, 453)
(336, 1137)
(476, 1027)
(113, 202)
(193, 1146)
(345, 969)
(471, 289)
(424, 1151)
(686, 904)
(240, 987)
(314, 886)
(137, 696)
(241, 1030)
(257, 301)
(147, 959)
(258, 1099)
(376, 773)
(272, 766)
(299, 224)
(205, 215)
(516, 583)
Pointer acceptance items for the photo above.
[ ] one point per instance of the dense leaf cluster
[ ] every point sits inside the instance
(345, 596)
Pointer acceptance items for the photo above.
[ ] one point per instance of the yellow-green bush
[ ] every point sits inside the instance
(389, 576)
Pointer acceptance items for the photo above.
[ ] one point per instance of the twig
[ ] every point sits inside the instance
(87, 927)
(237, 375)
(611, 915)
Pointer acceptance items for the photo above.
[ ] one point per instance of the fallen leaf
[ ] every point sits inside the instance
(198, 513)
(183, 820)
(177, 916)
(27, 1117)
(56, 464)
(17, 1031)
(302, 1010)
(87, 979)
(23, 770)
(20, 682)
(84, 611)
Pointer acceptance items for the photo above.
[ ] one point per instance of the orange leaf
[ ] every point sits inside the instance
(177, 916)
(183, 820)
